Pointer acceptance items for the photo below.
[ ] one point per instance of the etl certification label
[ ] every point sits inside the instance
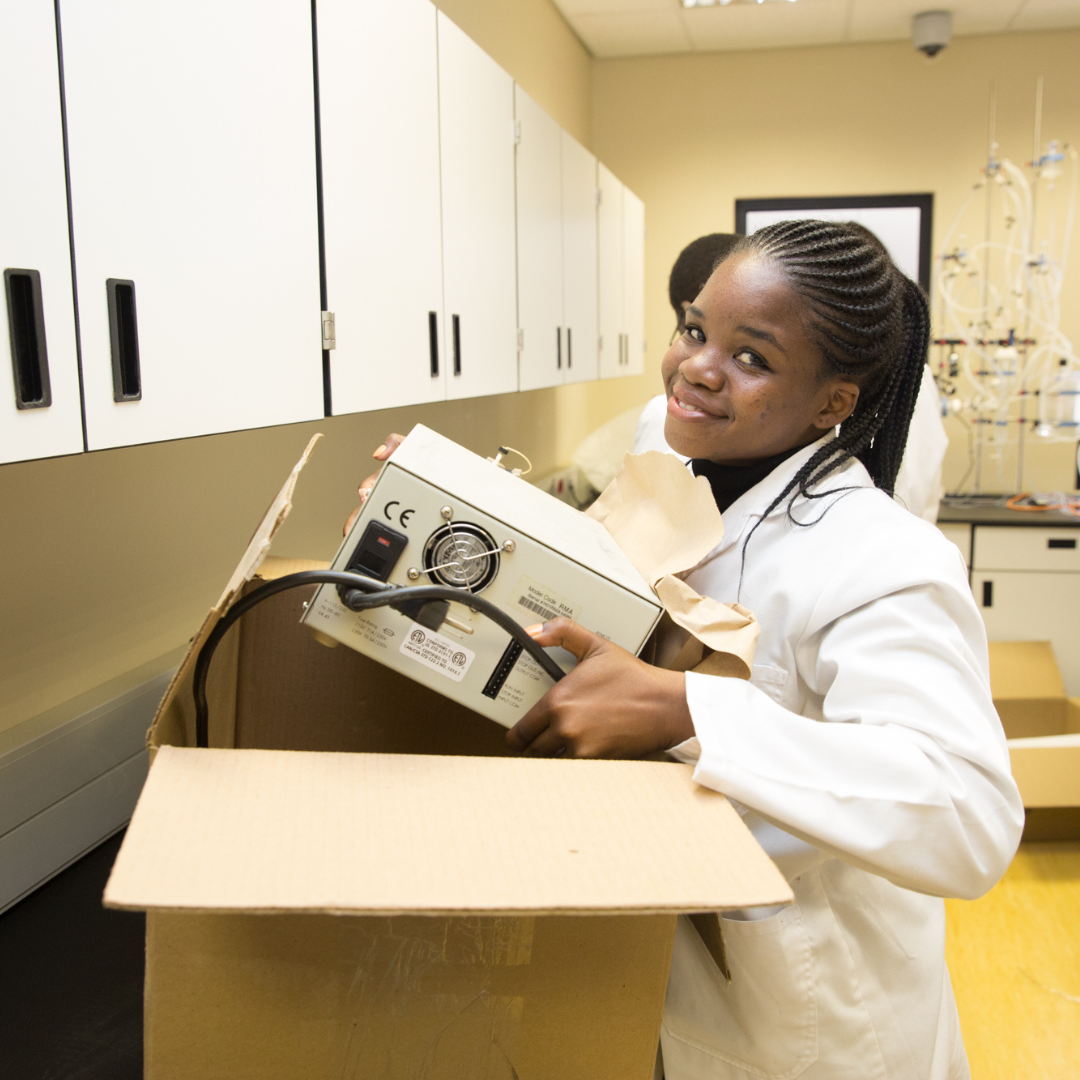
(449, 658)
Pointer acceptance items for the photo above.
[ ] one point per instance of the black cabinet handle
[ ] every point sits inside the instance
(1071, 544)
(569, 349)
(433, 341)
(988, 594)
(26, 326)
(457, 344)
(124, 339)
(558, 347)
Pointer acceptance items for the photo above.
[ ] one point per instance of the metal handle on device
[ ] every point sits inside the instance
(558, 347)
(124, 340)
(26, 327)
(569, 349)
(457, 344)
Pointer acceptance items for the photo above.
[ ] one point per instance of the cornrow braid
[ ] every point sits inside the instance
(872, 324)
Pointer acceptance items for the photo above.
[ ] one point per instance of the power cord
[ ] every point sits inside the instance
(359, 593)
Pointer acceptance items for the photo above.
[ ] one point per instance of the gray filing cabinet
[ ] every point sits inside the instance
(1025, 577)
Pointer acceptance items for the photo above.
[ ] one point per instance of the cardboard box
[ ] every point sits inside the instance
(1028, 690)
(360, 880)
(1043, 729)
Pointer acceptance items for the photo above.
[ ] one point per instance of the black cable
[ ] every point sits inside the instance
(363, 593)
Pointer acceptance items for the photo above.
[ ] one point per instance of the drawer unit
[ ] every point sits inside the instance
(959, 533)
(1018, 606)
(1030, 548)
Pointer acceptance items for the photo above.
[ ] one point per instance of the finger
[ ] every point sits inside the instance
(352, 518)
(567, 635)
(391, 443)
(549, 743)
(530, 726)
(367, 483)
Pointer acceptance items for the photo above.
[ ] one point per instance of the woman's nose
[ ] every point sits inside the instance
(703, 368)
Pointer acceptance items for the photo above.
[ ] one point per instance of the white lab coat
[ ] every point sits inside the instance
(867, 758)
(918, 484)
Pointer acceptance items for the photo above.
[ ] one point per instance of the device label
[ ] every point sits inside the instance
(441, 654)
(538, 601)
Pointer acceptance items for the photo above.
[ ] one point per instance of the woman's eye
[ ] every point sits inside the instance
(750, 359)
(695, 333)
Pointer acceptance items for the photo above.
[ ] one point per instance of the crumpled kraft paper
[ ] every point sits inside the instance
(666, 521)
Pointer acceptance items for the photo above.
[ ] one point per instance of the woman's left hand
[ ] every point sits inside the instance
(612, 705)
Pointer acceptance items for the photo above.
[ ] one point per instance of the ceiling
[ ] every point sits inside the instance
(612, 28)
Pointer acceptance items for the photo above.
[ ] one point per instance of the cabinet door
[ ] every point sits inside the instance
(381, 214)
(1018, 606)
(39, 376)
(633, 284)
(476, 120)
(192, 157)
(610, 263)
(579, 261)
(542, 352)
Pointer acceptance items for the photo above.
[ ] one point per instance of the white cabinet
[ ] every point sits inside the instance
(39, 378)
(192, 157)
(476, 119)
(621, 262)
(1026, 581)
(381, 210)
(610, 267)
(581, 359)
(633, 356)
(542, 343)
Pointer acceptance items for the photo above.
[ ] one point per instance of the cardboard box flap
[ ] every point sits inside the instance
(1047, 770)
(380, 834)
(175, 710)
(1024, 671)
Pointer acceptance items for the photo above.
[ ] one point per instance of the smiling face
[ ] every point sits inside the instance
(745, 380)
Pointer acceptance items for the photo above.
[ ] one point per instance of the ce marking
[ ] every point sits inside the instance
(403, 517)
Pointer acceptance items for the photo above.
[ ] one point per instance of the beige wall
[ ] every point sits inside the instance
(690, 134)
(111, 559)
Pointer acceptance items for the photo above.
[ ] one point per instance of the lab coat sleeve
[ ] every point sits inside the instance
(907, 773)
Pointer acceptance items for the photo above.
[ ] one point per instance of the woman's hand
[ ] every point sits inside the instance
(391, 443)
(612, 705)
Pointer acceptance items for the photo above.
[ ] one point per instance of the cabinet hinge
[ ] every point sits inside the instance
(521, 338)
(329, 336)
(517, 132)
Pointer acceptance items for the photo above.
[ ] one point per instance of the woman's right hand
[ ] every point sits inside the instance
(388, 446)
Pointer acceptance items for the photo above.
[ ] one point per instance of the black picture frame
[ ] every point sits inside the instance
(924, 202)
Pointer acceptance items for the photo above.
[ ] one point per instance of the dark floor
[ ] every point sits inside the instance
(71, 980)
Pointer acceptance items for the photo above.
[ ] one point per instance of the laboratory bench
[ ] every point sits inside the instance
(1024, 568)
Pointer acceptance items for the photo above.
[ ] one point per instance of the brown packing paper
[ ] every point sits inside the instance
(666, 521)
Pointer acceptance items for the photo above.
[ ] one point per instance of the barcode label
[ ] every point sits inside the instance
(535, 598)
(544, 612)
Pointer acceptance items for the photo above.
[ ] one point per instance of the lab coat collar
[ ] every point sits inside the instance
(745, 510)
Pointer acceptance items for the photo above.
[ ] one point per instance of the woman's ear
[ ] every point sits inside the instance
(840, 404)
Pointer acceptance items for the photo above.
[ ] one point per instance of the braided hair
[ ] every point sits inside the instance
(872, 325)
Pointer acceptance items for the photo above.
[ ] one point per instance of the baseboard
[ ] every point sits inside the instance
(70, 778)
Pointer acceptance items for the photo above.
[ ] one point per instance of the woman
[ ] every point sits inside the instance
(864, 753)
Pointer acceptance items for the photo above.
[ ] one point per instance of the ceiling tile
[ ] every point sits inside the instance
(873, 20)
(766, 26)
(638, 34)
(614, 7)
(1047, 15)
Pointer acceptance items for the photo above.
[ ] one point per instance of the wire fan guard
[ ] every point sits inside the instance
(462, 555)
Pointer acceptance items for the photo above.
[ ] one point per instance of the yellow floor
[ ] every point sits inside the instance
(1014, 957)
